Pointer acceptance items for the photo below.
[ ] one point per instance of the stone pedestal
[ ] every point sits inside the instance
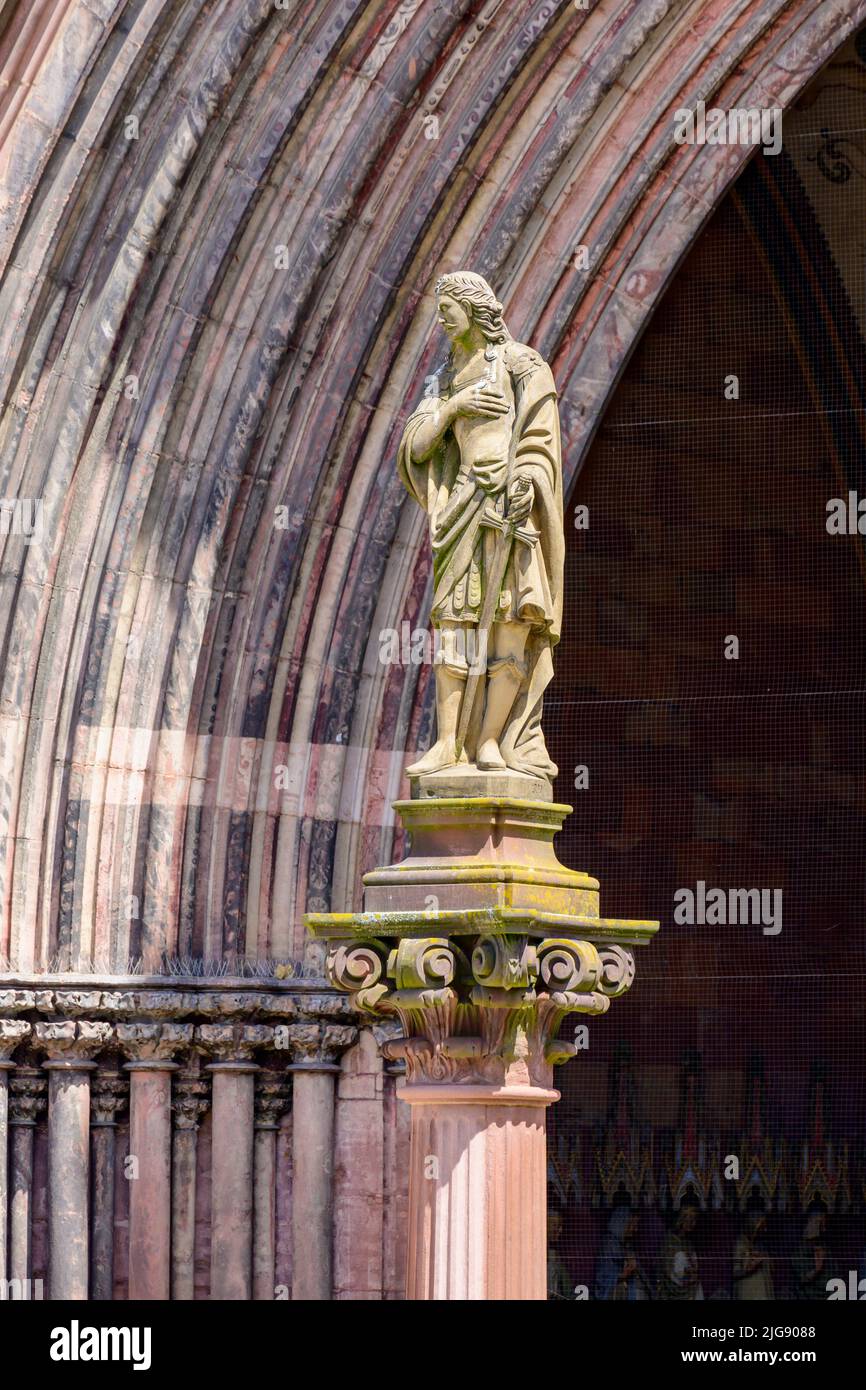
(480, 942)
(466, 783)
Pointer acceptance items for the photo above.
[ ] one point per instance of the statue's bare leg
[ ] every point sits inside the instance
(505, 675)
(451, 669)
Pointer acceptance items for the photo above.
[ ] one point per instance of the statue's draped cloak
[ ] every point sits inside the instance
(454, 498)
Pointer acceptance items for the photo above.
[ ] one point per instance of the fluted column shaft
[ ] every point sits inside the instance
(477, 1192)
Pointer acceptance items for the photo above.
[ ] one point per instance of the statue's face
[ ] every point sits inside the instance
(453, 317)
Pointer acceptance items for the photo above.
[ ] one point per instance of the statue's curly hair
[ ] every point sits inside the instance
(478, 299)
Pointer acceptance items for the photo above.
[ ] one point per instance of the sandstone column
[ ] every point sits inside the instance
(477, 1192)
(12, 1034)
(232, 1165)
(480, 943)
(479, 1050)
(191, 1100)
(315, 1048)
(108, 1096)
(27, 1103)
(71, 1047)
(271, 1099)
(150, 1046)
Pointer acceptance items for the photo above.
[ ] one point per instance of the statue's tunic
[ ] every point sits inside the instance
(455, 487)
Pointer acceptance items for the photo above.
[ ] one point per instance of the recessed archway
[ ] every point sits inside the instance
(214, 310)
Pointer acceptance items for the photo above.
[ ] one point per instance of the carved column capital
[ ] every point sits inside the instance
(271, 1099)
(109, 1095)
(232, 1045)
(317, 1046)
(190, 1099)
(72, 1044)
(13, 1032)
(153, 1046)
(27, 1099)
(482, 1008)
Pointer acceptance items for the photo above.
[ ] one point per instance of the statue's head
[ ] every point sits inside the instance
(464, 298)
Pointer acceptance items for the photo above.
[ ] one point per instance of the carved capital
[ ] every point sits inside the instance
(190, 1099)
(617, 971)
(17, 1001)
(72, 1043)
(271, 1099)
(486, 1009)
(358, 967)
(503, 963)
(27, 1099)
(153, 1044)
(232, 1044)
(13, 1032)
(317, 1046)
(109, 1095)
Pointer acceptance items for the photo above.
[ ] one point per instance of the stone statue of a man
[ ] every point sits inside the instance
(481, 454)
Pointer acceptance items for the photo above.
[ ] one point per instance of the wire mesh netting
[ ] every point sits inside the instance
(707, 719)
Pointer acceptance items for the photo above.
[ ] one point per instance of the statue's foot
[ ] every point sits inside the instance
(441, 755)
(489, 758)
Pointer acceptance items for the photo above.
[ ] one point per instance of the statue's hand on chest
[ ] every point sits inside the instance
(484, 418)
(480, 390)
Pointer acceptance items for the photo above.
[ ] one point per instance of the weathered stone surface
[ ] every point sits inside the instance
(227, 1042)
(13, 1032)
(481, 854)
(27, 1095)
(465, 780)
(72, 1041)
(318, 1046)
(481, 455)
(500, 188)
(109, 1096)
(153, 1042)
(124, 737)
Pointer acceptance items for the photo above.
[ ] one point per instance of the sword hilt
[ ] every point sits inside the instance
(491, 517)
